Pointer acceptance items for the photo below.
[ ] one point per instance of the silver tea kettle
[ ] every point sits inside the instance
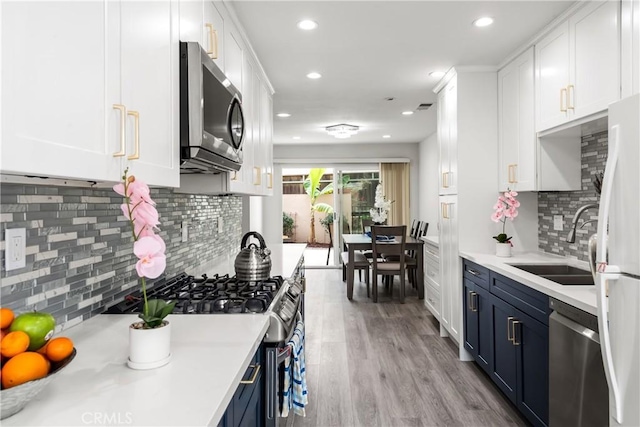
(253, 263)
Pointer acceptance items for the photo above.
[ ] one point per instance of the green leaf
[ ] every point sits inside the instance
(157, 310)
(323, 208)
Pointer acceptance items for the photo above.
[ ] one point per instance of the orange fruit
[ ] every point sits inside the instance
(6, 317)
(14, 343)
(43, 350)
(59, 349)
(27, 366)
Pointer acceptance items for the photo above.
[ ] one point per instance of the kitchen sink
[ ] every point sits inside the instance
(559, 273)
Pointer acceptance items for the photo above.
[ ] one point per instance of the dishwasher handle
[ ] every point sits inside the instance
(574, 326)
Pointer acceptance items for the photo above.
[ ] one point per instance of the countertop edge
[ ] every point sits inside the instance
(582, 297)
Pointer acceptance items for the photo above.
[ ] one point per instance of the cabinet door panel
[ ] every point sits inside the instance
(533, 372)
(233, 57)
(191, 21)
(60, 78)
(213, 21)
(552, 75)
(485, 329)
(595, 57)
(504, 366)
(150, 87)
(470, 318)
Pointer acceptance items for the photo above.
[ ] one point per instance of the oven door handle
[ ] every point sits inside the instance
(286, 351)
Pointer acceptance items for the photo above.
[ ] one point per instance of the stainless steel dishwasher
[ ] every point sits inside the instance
(578, 392)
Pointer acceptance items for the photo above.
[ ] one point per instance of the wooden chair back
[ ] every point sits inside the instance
(397, 235)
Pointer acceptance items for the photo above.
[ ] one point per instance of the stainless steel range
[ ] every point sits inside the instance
(282, 300)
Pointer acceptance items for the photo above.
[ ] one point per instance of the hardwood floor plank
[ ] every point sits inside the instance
(334, 389)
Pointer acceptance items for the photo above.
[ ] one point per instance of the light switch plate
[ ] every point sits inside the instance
(557, 222)
(15, 248)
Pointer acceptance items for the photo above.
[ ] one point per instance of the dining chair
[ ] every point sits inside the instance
(411, 259)
(388, 239)
(360, 263)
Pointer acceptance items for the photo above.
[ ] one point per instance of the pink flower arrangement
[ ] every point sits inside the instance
(140, 211)
(505, 207)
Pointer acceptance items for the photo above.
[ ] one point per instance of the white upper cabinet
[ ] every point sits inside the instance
(88, 116)
(516, 133)
(60, 80)
(552, 77)
(150, 90)
(448, 137)
(595, 58)
(578, 65)
(200, 21)
(630, 47)
(233, 57)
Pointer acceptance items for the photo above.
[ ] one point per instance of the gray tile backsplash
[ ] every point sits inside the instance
(566, 203)
(79, 255)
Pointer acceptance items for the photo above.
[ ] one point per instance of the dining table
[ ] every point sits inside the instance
(362, 242)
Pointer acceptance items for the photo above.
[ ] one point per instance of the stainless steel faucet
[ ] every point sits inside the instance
(571, 237)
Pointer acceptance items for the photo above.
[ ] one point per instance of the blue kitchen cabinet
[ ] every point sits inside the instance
(246, 408)
(504, 366)
(477, 324)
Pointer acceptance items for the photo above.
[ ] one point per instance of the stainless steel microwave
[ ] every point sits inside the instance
(211, 119)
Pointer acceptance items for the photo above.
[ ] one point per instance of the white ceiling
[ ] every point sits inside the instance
(367, 51)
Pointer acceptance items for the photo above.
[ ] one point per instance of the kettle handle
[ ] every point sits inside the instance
(255, 234)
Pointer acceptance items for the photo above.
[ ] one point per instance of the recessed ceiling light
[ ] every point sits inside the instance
(437, 74)
(307, 24)
(296, 137)
(284, 115)
(407, 113)
(485, 21)
(386, 136)
(314, 75)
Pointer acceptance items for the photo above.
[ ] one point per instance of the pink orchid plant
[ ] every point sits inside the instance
(505, 207)
(142, 215)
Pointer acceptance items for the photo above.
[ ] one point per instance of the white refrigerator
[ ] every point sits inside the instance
(618, 263)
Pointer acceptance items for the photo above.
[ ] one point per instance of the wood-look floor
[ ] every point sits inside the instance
(385, 364)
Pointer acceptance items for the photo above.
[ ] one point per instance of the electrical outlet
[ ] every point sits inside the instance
(220, 225)
(15, 248)
(185, 232)
(557, 222)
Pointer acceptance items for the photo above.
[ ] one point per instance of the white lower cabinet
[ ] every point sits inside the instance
(450, 291)
(432, 278)
(98, 94)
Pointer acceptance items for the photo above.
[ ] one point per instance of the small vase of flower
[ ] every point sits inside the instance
(149, 339)
(505, 207)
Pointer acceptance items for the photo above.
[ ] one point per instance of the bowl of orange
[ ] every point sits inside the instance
(26, 370)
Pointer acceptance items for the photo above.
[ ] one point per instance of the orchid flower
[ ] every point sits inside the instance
(505, 207)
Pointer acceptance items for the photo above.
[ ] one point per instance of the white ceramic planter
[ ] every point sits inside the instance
(149, 348)
(503, 249)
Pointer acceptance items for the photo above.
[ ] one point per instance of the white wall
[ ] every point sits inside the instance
(428, 200)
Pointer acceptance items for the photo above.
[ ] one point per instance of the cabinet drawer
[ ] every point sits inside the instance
(432, 300)
(530, 301)
(244, 392)
(431, 252)
(432, 270)
(476, 273)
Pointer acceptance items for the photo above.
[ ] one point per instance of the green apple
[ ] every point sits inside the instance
(39, 327)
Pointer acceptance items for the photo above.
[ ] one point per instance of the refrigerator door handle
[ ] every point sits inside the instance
(605, 197)
(605, 347)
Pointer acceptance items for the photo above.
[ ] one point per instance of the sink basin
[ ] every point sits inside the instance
(559, 273)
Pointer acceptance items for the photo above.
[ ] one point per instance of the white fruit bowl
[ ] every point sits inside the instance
(13, 399)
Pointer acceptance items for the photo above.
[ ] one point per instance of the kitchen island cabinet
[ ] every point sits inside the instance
(210, 356)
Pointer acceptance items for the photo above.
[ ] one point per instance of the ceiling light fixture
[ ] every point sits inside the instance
(314, 75)
(296, 137)
(407, 113)
(386, 136)
(307, 24)
(284, 115)
(342, 131)
(437, 74)
(485, 21)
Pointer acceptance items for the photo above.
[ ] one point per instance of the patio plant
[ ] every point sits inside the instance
(311, 186)
(287, 224)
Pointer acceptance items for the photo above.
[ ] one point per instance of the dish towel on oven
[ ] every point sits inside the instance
(295, 377)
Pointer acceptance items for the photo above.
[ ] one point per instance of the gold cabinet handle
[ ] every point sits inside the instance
(512, 173)
(213, 41)
(563, 99)
(256, 371)
(445, 180)
(513, 332)
(234, 177)
(445, 210)
(570, 94)
(257, 179)
(123, 124)
(509, 330)
(270, 175)
(136, 130)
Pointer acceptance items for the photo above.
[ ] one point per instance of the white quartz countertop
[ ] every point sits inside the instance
(582, 297)
(434, 240)
(210, 354)
(284, 258)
